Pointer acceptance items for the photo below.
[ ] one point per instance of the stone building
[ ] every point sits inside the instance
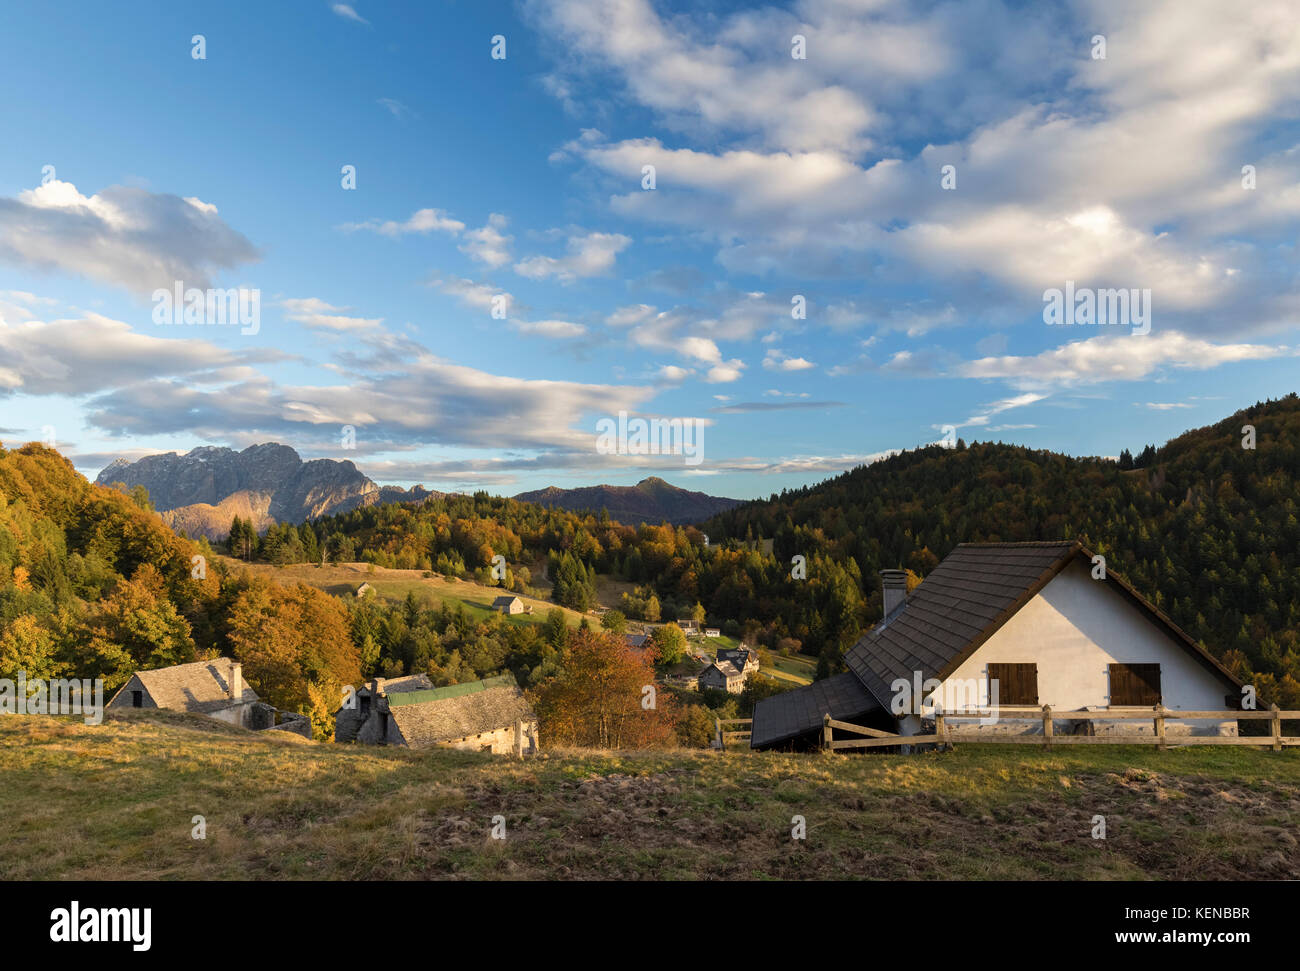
(349, 718)
(214, 688)
(481, 716)
(724, 676)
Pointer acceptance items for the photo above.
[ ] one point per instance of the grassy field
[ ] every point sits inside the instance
(343, 579)
(117, 801)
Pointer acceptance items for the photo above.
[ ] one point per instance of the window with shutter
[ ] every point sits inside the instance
(1017, 683)
(1135, 684)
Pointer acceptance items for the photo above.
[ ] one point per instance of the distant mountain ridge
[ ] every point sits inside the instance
(651, 500)
(200, 492)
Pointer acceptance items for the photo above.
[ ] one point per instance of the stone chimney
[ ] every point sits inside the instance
(893, 585)
(236, 681)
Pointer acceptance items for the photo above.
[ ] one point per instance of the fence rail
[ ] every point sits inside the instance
(721, 738)
(947, 734)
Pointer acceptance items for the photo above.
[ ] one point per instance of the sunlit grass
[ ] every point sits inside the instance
(117, 801)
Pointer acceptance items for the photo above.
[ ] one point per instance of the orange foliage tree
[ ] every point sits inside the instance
(600, 700)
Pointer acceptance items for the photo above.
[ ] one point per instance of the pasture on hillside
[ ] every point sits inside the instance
(117, 802)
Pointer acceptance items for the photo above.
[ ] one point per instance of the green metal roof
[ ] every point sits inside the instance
(399, 698)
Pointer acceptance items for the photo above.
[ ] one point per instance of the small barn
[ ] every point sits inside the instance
(214, 688)
(997, 630)
(724, 676)
(508, 605)
(480, 716)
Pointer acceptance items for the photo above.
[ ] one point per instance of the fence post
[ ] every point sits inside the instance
(1160, 726)
(826, 732)
(939, 730)
(1047, 726)
(1277, 727)
(717, 727)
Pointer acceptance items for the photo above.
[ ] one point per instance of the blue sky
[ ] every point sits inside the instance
(776, 177)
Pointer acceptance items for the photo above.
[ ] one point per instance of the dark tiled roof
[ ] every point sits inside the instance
(967, 597)
(975, 590)
(792, 713)
(504, 601)
(739, 656)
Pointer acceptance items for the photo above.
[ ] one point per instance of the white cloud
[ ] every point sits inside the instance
(319, 315)
(550, 328)
(725, 372)
(124, 236)
(479, 296)
(348, 13)
(589, 255)
(421, 221)
(488, 244)
(1123, 358)
(776, 360)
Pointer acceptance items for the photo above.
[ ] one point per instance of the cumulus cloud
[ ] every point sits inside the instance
(94, 353)
(1123, 358)
(1067, 168)
(121, 235)
(591, 254)
(777, 360)
(488, 244)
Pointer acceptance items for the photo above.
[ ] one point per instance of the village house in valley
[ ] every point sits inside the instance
(214, 688)
(480, 716)
(724, 676)
(742, 658)
(1000, 630)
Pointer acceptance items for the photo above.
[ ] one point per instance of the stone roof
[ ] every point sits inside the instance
(412, 682)
(203, 686)
(459, 710)
(636, 640)
(504, 601)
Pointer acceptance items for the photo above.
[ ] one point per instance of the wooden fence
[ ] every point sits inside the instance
(722, 738)
(947, 734)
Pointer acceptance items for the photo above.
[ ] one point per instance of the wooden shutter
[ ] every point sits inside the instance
(1017, 683)
(1135, 684)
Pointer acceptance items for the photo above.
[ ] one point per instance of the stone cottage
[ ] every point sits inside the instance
(349, 718)
(481, 716)
(508, 605)
(214, 688)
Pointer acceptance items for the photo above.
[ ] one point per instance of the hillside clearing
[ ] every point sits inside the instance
(343, 579)
(117, 801)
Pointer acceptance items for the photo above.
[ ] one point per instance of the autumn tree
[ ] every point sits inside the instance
(600, 699)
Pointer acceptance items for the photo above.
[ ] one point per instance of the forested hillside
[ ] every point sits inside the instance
(1209, 530)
